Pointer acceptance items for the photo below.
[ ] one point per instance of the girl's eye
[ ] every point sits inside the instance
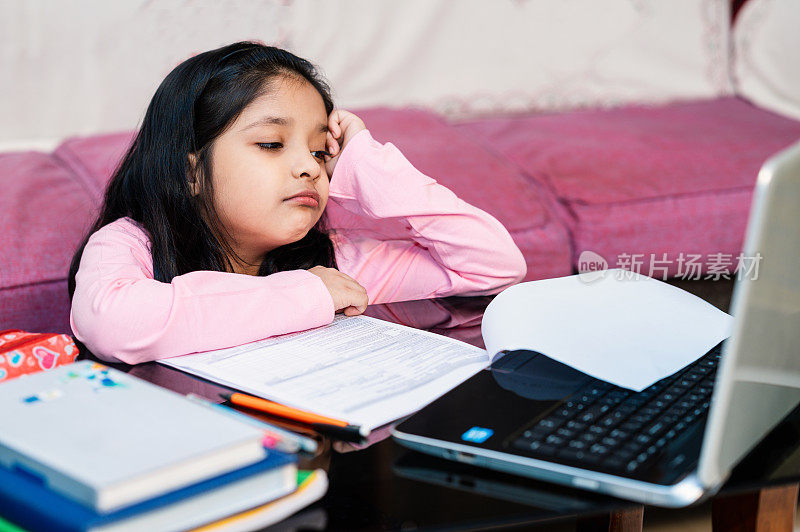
(268, 145)
(319, 154)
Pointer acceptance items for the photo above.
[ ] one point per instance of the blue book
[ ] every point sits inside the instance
(108, 440)
(27, 502)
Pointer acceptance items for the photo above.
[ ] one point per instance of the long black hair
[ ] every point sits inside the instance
(194, 104)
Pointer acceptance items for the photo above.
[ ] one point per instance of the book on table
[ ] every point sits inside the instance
(311, 486)
(27, 502)
(358, 369)
(107, 440)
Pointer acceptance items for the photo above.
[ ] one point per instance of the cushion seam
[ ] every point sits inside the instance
(77, 172)
(654, 199)
(34, 283)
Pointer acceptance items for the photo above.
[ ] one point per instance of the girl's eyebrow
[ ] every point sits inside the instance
(280, 121)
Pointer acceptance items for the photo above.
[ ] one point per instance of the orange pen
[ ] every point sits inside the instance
(276, 409)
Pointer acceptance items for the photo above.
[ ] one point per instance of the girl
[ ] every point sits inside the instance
(235, 215)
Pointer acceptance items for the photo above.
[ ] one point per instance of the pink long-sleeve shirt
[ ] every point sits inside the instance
(396, 231)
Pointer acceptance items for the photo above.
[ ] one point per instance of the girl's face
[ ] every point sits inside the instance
(271, 153)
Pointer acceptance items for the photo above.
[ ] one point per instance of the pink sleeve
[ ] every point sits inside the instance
(416, 239)
(122, 314)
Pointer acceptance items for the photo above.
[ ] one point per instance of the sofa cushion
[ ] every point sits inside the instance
(481, 178)
(45, 213)
(93, 159)
(647, 180)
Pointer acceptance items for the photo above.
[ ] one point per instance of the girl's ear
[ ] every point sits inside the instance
(193, 174)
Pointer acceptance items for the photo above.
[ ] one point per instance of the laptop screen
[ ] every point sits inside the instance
(759, 376)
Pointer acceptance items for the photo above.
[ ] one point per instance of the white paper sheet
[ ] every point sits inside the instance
(627, 329)
(359, 369)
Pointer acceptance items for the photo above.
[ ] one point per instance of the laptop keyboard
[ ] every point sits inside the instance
(621, 431)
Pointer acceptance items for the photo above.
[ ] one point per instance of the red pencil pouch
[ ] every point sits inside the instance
(24, 352)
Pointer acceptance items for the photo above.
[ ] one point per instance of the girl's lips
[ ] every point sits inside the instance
(304, 200)
(307, 197)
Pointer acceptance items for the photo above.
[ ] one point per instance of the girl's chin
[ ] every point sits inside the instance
(299, 234)
(304, 219)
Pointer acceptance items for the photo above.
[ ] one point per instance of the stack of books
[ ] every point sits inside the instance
(86, 447)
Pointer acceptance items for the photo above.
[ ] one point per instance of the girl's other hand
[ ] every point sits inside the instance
(342, 126)
(347, 294)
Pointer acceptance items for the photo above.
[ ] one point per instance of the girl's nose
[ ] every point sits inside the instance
(307, 166)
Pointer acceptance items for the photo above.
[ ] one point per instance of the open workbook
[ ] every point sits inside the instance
(630, 330)
(359, 369)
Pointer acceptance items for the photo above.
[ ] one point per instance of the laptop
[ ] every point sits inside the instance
(675, 442)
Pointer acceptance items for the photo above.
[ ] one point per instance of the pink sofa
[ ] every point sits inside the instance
(635, 180)
(656, 182)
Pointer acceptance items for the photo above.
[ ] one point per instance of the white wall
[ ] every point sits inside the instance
(82, 67)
